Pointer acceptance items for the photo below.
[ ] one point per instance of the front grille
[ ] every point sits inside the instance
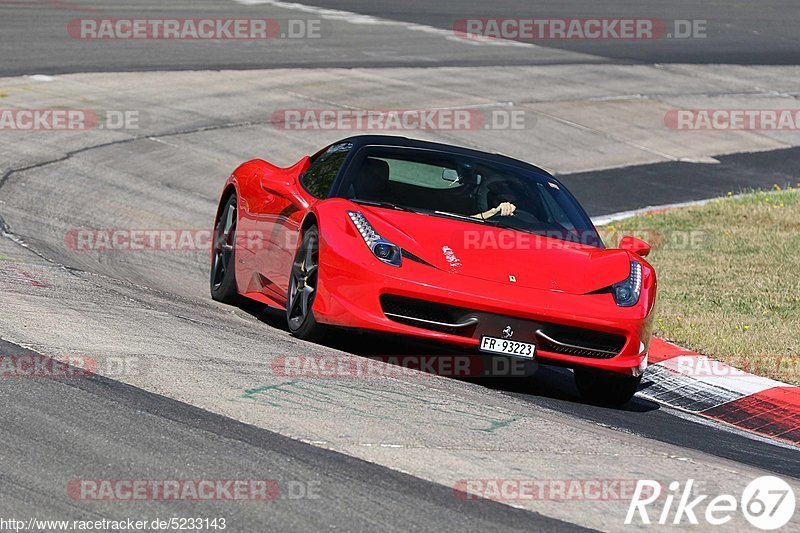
(429, 315)
(578, 352)
(464, 322)
(579, 342)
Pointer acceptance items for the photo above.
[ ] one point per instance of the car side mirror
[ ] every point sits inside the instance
(634, 245)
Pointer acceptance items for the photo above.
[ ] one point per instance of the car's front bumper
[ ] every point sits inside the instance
(350, 290)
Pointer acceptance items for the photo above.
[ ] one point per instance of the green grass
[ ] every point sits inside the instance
(729, 278)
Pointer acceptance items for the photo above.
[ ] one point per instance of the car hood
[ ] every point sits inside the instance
(505, 256)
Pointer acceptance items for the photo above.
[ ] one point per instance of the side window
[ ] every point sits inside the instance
(319, 177)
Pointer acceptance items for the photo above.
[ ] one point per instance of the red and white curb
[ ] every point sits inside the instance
(695, 383)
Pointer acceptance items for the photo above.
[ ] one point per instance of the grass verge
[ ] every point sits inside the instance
(729, 278)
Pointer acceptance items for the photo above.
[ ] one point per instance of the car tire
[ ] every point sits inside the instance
(223, 259)
(303, 283)
(605, 388)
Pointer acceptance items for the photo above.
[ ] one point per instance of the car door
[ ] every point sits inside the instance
(280, 225)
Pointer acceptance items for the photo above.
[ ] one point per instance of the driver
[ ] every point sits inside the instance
(504, 197)
(505, 209)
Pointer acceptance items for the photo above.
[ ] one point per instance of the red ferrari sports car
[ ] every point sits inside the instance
(476, 250)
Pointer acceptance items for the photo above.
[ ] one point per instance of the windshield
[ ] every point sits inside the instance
(469, 188)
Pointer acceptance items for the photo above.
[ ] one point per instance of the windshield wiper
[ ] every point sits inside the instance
(387, 205)
(456, 215)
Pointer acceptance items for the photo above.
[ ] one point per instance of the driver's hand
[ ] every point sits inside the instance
(505, 209)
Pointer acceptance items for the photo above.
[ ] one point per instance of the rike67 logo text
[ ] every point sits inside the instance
(767, 503)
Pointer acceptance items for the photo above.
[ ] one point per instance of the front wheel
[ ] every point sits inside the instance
(223, 262)
(605, 388)
(303, 283)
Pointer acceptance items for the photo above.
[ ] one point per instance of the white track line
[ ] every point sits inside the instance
(358, 18)
(622, 215)
(603, 220)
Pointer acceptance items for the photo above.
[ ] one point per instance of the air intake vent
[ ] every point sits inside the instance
(429, 315)
(579, 342)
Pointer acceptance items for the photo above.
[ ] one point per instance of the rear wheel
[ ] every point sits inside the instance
(223, 259)
(605, 388)
(303, 282)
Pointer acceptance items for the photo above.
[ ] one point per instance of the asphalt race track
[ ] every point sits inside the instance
(754, 33)
(191, 389)
(761, 33)
(162, 435)
(685, 182)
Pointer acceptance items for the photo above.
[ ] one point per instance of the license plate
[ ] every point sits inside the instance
(508, 347)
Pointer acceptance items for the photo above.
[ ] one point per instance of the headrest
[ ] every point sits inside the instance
(373, 178)
(375, 169)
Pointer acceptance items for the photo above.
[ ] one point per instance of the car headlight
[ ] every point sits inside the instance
(384, 250)
(626, 293)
